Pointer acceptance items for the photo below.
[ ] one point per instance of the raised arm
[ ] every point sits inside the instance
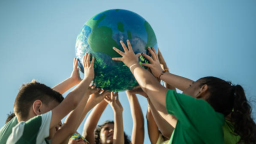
(92, 120)
(137, 117)
(75, 118)
(118, 137)
(164, 122)
(153, 132)
(75, 96)
(73, 80)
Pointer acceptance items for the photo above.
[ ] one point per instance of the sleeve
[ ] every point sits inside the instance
(186, 108)
(45, 126)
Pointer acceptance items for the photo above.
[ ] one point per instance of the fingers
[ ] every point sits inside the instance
(84, 59)
(138, 54)
(117, 59)
(156, 55)
(148, 57)
(152, 53)
(129, 45)
(88, 59)
(124, 46)
(118, 51)
(147, 65)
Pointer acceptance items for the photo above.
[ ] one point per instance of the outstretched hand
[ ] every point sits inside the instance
(137, 90)
(88, 66)
(113, 101)
(128, 56)
(75, 73)
(154, 64)
(97, 95)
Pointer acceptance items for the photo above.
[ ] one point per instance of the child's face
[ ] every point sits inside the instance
(106, 134)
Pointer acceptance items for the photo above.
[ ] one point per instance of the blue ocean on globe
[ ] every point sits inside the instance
(104, 31)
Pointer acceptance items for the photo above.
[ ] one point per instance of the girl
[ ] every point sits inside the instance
(199, 119)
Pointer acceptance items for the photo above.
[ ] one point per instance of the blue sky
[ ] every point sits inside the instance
(197, 39)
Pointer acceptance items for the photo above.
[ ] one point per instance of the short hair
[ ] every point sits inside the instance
(9, 117)
(34, 91)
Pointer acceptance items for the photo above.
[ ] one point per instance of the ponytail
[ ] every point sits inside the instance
(244, 125)
(228, 99)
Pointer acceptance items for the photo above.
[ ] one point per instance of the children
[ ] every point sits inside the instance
(38, 110)
(199, 119)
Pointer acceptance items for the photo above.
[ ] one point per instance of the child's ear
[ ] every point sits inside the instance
(37, 107)
(203, 91)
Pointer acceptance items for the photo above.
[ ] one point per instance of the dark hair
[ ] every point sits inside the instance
(98, 129)
(228, 99)
(9, 117)
(34, 91)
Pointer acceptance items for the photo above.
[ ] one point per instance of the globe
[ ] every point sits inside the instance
(104, 31)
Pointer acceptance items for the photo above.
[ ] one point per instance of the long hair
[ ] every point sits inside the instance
(228, 99)
(98, 129)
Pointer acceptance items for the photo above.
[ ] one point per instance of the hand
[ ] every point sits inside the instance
(128, 56)
(137, 90)
(97, 95)
(114, 102)
(154, 64)
(88, 66)
(75, 73)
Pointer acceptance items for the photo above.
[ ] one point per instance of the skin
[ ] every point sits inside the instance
(149, 83)
(113, 101)
(69, 103)
(107, 134)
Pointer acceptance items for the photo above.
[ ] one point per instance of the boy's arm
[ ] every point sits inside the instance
(92, 120)
(152, 127)
(75, 118)
(75, 96)
(118, 137)
(137, 117)
(73, 80)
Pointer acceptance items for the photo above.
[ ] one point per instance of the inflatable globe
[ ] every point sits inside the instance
(103, 32)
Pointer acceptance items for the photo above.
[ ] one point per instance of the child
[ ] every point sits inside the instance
(199, 119)
(38, 109)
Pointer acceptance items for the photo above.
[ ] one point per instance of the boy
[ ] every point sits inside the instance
(39, 111)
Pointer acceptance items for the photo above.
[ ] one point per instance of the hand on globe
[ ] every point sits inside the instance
(98, 95)
(128, 56)
(137, 90)
(154, 64)
(88, 66)
(75, 73)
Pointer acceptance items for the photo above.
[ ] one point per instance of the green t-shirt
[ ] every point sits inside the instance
(229, 136)
(198, 123)
(6, 130)
(33, 131)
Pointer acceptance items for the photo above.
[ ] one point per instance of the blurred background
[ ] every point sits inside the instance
(196, 38)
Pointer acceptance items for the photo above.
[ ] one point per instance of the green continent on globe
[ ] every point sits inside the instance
(103, 32)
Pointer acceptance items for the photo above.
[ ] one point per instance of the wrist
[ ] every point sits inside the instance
(118, 113)
(90, 78)
(162, 73)
(133, 65)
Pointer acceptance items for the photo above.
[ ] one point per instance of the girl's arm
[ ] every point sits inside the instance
(118, 137)
(92, 120)
(153, 132)
(73, 80)
(137, 117)
(163, 121)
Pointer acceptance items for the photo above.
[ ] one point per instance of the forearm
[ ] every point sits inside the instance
(152, 127)
(149, 84)
(118, 137)
(138, 120)
(65, 85)
(161, 121)
(178, 82)
(92, 120)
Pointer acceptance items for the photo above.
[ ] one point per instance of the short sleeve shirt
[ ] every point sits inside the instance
(229, 136)
(33, 131)
(198, 123)
(6, 130)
